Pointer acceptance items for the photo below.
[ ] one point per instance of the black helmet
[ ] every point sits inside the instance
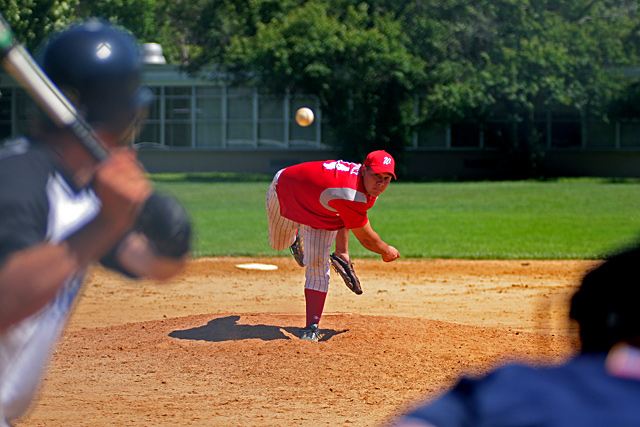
(98, 66)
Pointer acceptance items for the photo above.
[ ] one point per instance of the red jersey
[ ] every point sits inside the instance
(328, 195)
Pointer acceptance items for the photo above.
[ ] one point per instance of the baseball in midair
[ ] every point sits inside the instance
(304, 116)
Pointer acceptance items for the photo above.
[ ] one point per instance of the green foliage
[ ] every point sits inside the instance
(463, 60)
(33, 20)
(512, 60)
(561, 219)
(369, 61)
(197, 31)
(357, 64)
(136, 16)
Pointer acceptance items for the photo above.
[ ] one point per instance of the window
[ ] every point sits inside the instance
(209, 116)
(240, 117)
(630, 134)
(6, 99)
(432, 136)
(271, 129)
(600, 134)
(177, 125)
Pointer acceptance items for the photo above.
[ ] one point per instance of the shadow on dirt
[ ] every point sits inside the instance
(227, 329)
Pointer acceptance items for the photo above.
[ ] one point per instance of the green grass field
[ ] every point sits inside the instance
(584, 218)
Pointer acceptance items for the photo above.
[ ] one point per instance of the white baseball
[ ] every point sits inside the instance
(304, 116)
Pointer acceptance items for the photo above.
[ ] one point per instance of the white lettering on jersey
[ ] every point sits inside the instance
(352, 168)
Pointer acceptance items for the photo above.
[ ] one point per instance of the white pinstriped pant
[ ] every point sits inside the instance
(317, 243)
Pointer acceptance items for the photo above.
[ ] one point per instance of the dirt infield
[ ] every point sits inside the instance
(217, 346)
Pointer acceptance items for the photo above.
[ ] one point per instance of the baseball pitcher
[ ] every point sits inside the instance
(312, 205)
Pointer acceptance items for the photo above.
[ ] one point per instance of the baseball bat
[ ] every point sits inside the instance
(17, 61)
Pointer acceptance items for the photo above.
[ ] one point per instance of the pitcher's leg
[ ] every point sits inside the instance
(317, 249)
(282, 232)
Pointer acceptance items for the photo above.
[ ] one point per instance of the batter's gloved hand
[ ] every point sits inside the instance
(166, 224)
(346, 271)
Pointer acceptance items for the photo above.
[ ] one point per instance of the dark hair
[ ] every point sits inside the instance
(606, 306)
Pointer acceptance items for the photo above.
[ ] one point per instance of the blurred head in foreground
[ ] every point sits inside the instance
(606, 304)
(98, 66)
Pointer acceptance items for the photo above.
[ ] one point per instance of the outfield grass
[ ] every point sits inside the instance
(562, 219)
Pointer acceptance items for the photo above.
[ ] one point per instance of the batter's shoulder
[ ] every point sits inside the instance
(24, 165)
(14, 147)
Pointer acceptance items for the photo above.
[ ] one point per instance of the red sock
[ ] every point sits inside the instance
(315, 305)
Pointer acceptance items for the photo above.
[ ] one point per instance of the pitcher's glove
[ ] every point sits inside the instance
(166, 224)
(346, 271)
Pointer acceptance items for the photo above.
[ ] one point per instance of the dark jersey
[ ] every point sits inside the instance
(36, 201)
(37, 204)
(578, 393)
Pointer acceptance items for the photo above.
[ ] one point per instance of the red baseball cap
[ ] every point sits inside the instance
(381, 162)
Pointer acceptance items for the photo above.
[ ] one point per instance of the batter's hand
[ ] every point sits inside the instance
(122, 186)
(391, 254)
(167, 226)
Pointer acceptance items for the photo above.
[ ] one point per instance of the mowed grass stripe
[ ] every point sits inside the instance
(563, 219)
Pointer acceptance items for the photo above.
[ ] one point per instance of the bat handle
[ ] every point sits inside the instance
(90, 140)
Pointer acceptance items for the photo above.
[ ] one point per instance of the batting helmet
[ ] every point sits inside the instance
(98, 66)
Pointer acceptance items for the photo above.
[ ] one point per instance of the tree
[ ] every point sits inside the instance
(355, 63)
(519, 58)
(368, 60)
(33, 20)
(138, 16)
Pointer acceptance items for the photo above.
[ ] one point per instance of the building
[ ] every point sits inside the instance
(199, 125)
